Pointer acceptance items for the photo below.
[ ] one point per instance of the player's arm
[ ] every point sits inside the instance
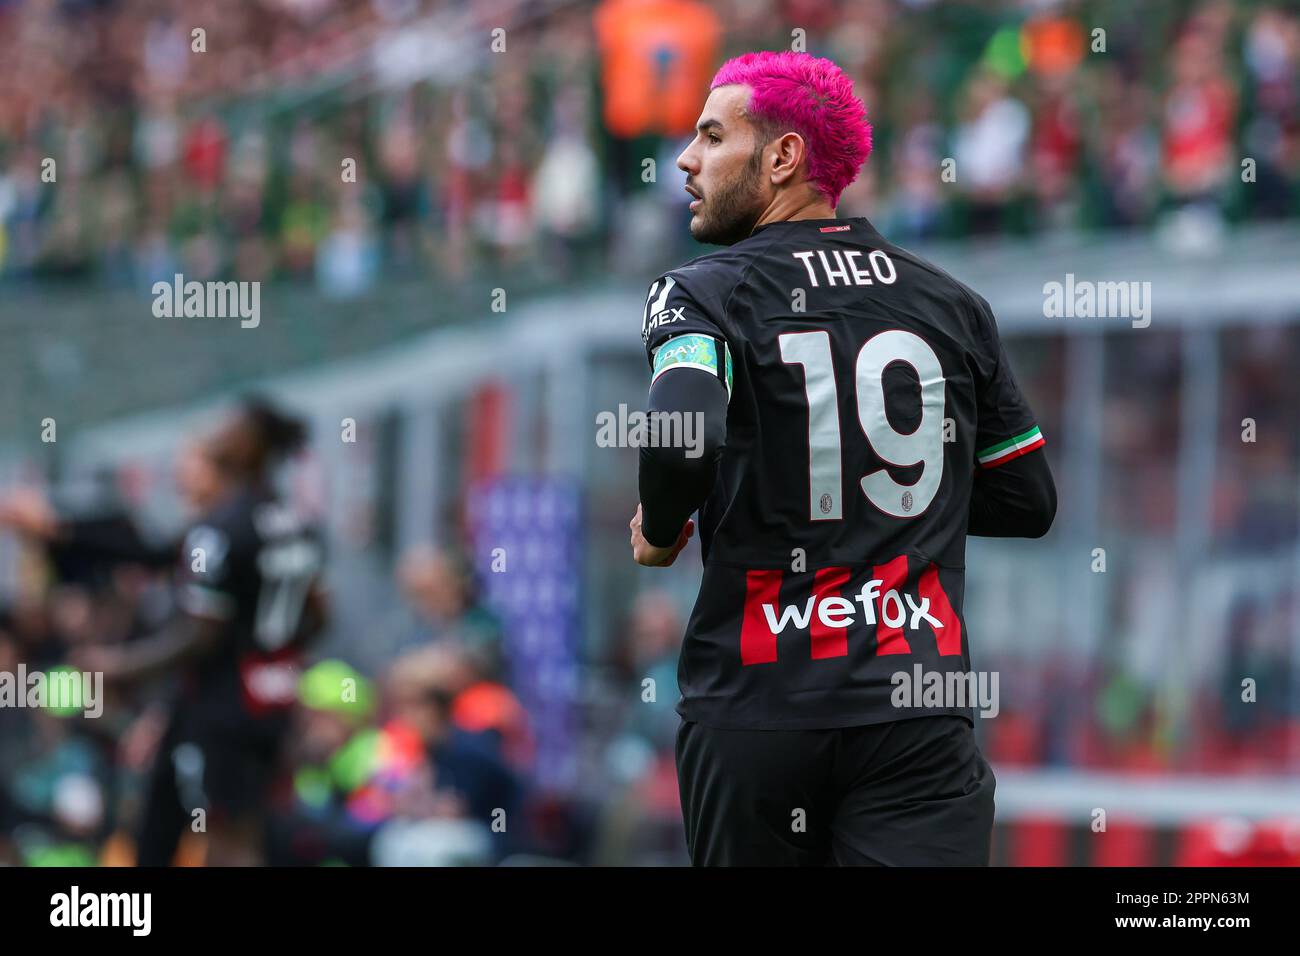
(691, 375)
(114, 539)
(1013, 495)
(185, 637)
(206, 602)
(675, 479)
(1015, 500)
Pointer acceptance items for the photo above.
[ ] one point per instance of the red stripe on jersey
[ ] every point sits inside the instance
(757, 642)
(828, 641)
(890, 640)
(947, 637)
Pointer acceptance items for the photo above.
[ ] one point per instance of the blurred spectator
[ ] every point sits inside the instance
(443, 608)
(334, 755)
(642, 819)
(1199, 117)
(989, 149)
(650, 721)
(465, 776)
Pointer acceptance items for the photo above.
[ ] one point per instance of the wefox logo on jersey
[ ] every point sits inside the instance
(882, 601)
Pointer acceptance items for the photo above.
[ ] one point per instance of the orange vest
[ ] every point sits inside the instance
(658, 58)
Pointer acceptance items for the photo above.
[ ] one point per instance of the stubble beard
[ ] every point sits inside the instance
(733, 209)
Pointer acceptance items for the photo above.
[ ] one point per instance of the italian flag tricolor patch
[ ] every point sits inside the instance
(1011, 448)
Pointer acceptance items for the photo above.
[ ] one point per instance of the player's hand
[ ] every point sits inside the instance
(645, 553)
(140, 742)
(29, 512)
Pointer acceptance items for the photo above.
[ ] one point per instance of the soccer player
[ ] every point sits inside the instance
(857, 418)
(248, 599)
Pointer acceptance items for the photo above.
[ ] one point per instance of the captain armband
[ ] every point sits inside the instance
(695, 350)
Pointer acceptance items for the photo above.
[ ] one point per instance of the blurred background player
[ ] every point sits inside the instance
(247, 599)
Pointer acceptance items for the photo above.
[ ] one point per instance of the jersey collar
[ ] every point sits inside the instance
(861, 222)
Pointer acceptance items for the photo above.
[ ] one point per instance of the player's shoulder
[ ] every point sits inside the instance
(693, 296)
(958, 298)
(937, 279)
(235, 518)
(711, 276)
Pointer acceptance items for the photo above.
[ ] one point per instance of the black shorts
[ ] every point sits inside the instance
(228, 775)
(913, 792)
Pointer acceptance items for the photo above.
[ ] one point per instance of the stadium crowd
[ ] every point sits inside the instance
(229, 162)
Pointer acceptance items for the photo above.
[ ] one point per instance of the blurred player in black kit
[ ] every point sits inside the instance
(859, 418)
(248, 599)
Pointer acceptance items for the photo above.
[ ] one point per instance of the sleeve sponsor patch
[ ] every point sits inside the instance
(694, 351)
(658, 311)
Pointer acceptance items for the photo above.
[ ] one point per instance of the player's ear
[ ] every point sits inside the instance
(789, 154)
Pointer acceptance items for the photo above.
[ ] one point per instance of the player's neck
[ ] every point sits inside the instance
(786, 207)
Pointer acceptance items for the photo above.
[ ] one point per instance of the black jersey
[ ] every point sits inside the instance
(865, 388)
(250, 564)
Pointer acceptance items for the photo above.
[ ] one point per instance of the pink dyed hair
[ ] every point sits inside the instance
(811, 96)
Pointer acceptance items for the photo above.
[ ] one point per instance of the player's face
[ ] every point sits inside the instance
(723, 167)
(197, 476)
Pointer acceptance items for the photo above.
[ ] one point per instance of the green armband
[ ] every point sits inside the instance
(695, 350)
